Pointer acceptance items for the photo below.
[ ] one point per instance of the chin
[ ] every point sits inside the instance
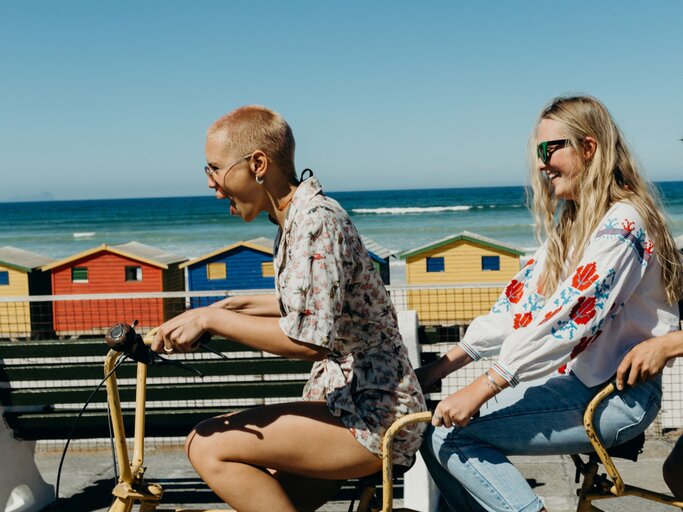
(248, 217)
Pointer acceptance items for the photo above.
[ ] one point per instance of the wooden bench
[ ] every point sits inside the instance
(43, 386)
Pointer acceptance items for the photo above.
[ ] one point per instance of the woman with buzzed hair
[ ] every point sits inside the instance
(330, 306)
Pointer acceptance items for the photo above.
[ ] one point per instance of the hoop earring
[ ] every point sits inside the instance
(259, 180)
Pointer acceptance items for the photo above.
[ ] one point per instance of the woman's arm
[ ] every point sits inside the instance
(182, 332)
(648, 358)
(580, 309)
(486, 334)
(429, 374)
(253, 305)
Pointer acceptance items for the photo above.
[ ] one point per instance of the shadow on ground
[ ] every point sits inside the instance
(177, 492)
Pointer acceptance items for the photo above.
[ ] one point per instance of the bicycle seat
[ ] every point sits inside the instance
(375, 479)
(628, 450)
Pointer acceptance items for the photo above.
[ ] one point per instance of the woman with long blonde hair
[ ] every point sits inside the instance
(606, 277)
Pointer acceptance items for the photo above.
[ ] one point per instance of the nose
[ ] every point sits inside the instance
(542, 166)
(210, 181)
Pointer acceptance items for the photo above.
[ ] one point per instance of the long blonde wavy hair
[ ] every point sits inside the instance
(609, 176)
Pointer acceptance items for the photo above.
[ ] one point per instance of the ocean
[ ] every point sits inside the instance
(192, 226)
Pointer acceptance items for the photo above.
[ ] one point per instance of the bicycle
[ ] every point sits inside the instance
(131, 487)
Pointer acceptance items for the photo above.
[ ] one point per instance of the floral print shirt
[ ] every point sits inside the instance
(331, 295)
(613, 300)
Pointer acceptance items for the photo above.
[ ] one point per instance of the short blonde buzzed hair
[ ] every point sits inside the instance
(252, 127)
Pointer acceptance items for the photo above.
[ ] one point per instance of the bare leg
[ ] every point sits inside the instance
(307, 494)
(230, 453)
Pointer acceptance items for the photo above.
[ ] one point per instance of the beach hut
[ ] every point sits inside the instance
(20, 276)
(121, 269)
(475, 269)
(380, 258)
(245, 265)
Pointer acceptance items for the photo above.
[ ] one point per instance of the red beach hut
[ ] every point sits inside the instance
(129, 268)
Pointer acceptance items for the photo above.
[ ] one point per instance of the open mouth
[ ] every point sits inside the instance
(551, 175)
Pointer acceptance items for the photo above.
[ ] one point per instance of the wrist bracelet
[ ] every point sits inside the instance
(492, 383)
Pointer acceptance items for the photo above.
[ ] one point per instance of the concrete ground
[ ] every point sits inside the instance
(87, 479)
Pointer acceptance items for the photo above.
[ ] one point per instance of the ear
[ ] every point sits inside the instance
(589, 147)
(259, 163)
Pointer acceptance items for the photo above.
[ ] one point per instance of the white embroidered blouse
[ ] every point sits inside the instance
(613, 300)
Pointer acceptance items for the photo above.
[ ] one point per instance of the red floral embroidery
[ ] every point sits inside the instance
(317, 256)
(308, 312)
(584, 344)
(530, 262)
(562, 370)
(522, 320)
(648, 246)
(628, 225)
(584, 276)
(550, 314)
(514, 291)
(583, 311)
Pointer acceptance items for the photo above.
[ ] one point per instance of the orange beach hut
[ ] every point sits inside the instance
(129, 268)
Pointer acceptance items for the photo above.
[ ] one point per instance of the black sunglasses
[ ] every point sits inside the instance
(546, 148)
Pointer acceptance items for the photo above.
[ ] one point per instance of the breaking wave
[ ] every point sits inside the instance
(410, 209)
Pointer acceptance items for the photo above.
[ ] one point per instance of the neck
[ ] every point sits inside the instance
(279, 203)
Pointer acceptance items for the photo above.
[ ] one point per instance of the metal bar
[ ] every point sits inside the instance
(117, 419)
(388, 452)
(594, 438)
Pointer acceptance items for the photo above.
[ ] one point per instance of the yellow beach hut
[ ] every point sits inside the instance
(679, 244)
(467, 272)
(20, 276)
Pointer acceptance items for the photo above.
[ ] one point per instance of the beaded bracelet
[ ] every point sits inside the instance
(492, 383)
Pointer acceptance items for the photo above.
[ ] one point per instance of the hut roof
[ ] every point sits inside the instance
(377, 249)
(468, 237)
(261, 244)
(21, 259)
(134, 250)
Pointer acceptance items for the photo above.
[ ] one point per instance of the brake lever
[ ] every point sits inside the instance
(157, 360)
(208, 348)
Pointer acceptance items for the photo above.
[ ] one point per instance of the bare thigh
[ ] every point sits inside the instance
(301, 438)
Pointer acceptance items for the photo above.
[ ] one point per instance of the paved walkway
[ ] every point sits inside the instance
(87, 479)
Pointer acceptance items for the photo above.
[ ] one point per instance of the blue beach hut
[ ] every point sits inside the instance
(246, 265)
(380, 257)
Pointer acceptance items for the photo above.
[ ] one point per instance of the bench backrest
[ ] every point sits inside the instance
(44, 384)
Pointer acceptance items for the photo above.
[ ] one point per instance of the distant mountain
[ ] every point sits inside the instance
(42, 196)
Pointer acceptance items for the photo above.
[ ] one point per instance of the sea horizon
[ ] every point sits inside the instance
(190, 226)
(329, 192)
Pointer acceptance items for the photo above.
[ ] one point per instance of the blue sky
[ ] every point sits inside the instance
(112, 99)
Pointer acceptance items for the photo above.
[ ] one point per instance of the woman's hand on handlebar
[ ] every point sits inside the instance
(182, 333)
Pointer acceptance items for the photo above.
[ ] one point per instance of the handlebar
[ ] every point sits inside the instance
(123, 338)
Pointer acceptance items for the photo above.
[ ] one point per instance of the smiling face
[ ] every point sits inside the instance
(233, 180)
(563, 166)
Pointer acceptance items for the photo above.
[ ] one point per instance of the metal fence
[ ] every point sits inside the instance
(444, 312)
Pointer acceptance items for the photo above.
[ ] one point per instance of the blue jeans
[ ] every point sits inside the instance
(541, 417)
